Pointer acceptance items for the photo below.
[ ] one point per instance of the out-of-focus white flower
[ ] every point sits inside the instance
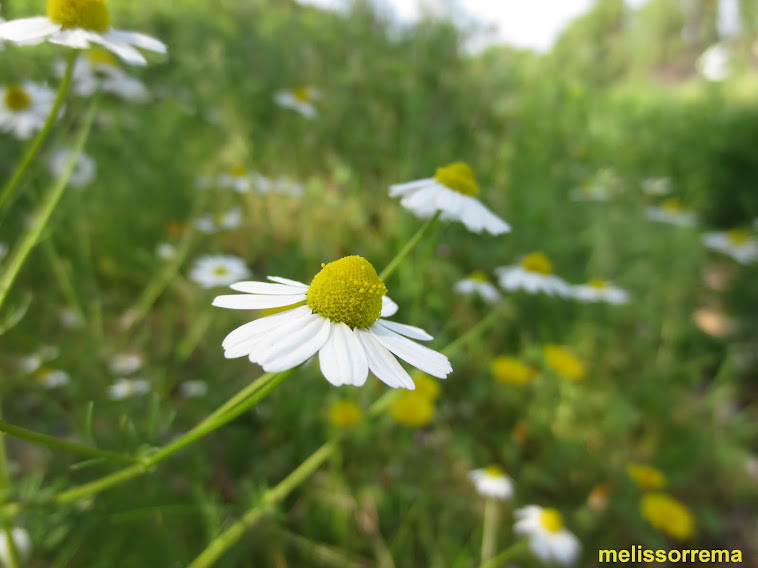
(452, 191)
(600, 291)
(239, 179)
(218, 270)
(591, 192)
(22, 543)
(740, 244)
(477, 284)
(193, 389)
(126, 388)
(33, 362)
(84, 172)
(52, 378)
(24, 108)
(301, 100)
(211, 224)
(126, 363)
(534, 274)
(282, 185)
(165, 251)
(656, 186)
(492, 483)
(713, 63)
(548, 539)
(70, 319)
(671, 211)
(98, 70)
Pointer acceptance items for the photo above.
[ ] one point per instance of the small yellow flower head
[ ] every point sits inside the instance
(738, 237)
(86, 14)
(479, 276)
(427, 386)
(413, 409)
(511, 371)
(551, 520)
(345, 413)
(238, 171)
(302, 94)
(537, 262)
(458, 176)
(565, 363)
(101, 57)
(598, 284)
(668, 515)
(672, 205)
(347, 290)
(16, 98)
(646, 477)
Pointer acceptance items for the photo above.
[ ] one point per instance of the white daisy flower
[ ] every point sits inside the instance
(713, 63)
(211, 224)
(84, 172)
(737, 243)
(478, 284)
(671, 211)
(339, 316)
(22, 543)
(52, 378)
(24, 108)
(600, 291)
(591, 192)
(452, 191)
(126, 363)
(534, 274)
(165, 251)
(126, 388)
(548, 538)
(218, 270)
(98, 70)
(193, 389)
(656, 186)
(34, 362)
(79, 24)
(492, 483)
(300, 100)
(239, 179)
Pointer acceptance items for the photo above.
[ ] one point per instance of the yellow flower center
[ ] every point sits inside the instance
(668, 515)
(458, 176)
(347, 290)
(645, 476)
(101, 57)
(672, 205)
(412, 409)
(551, 520)
(494, 471)
(426, 385)
(17, 98)
(345, 413)
(479, 276)
(598, 284)
(563, 362)
(537, 262)
(238, 171)
(511, 371)
(220, 271)
(738, 236)
(302, 94)
(86, 14)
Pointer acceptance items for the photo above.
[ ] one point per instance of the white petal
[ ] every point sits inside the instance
(28, 31)
(136, 39)
(74, 38)
(342, 358)
(428, 360)
(265, 288)
(382, 363)
(256, 302)
(389, 308)
(252, 330)
(407, 330)
(286, 281)
(401, 188)
(297, 346)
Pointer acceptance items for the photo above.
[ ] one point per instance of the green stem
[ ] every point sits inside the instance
(5, 483)
(508, 554)
(10, 546)
(230, 536)
(57, 443)
(43, 212)
(34, 147)
(409, 246)
(489, 529)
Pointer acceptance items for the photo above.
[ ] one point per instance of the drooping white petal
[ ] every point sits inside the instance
(252, 330)
(75, 38)
(389, 308)
(403, 329)
(296, 347)
(382, 363)
(286, 281)
(401, 188)
(265, 288)
(342, 358)
(256, 302)
(428, 360)
(28, 31)
(136, 39)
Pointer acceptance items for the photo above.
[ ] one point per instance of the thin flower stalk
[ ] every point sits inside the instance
(410, 245)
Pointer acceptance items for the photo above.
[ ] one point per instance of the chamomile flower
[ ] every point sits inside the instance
(492, 483)
(561, 360)
(340, 317)
(239, 179)
(165, 251)
(218, 270)
(85, 168)
(533, 274)
(413, 409)
(668, 515)
(713, 63)
(21, 541)
(549, 540)
(52, 378)
(97, 70)
(126, 363)
(24, 108)
(453, 191)
(301, 100)
(79, 24)
(740, 244)
(193, 389)
(477, 284)
(591, 192)
(600, 291)
(646, 477)
(33, 362)
(671, 211)
(228, 221)
(656, 186)
(127, 388)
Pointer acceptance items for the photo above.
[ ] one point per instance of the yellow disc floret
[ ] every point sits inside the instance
(221, 271)
(16, 98)
(494, 471)
(459, 177)
(672, 205)
(598, 284)
(551, 520)
(738, 237)
(537, 262)
(347, 290)
(86, 14)
(479, 276)
(302, 94)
